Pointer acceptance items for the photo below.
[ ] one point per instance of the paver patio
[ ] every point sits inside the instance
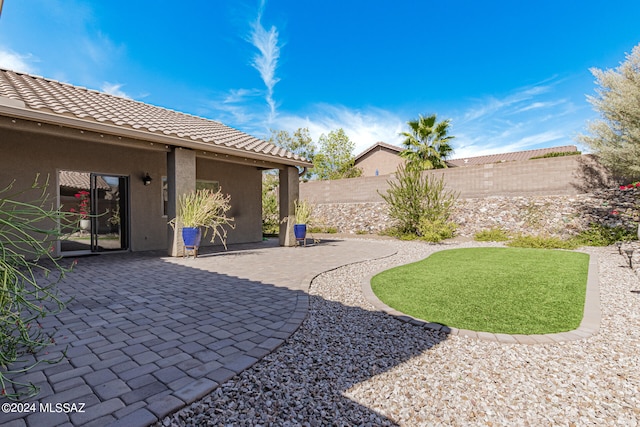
(147, 334)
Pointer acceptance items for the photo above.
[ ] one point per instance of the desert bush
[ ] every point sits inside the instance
(596, 235)
(207, 209)
(29, 273)
(270, 205)
(436, 231)
(418, 202)
(322, 229)
(557, 154)
(602, 235)
(303, 211)
(542, 242)
(495, 234)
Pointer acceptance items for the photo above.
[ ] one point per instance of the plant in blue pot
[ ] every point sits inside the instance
(206, 210)
(303, 212)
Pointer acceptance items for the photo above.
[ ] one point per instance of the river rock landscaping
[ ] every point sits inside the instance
(561, 216)
(349, 364)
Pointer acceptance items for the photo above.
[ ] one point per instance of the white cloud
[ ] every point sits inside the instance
(235, 96)
(114, 89)
(266, 61)
(364, 127)
(530, 118)
(540, 105)
(237, 107)
(16, 62)
(491, 105)
(475, 134)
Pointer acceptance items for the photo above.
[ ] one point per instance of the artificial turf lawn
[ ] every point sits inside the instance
(499, 290)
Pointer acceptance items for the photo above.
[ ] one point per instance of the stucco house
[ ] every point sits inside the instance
(379, 159)
(128, 161)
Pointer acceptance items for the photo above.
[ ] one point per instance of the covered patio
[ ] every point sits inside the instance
(123, 164)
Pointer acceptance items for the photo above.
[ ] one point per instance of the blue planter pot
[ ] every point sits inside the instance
(300, 231)
(191, 236)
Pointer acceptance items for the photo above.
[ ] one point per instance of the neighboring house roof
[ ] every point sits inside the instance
(80, 180)
(37, 98)
(379, 145)
(509, 157)
(478, 160)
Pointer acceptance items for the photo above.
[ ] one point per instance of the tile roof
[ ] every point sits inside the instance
(481, 160)
(509, 157)
(379, 145)
(80, 180)
(90, 106)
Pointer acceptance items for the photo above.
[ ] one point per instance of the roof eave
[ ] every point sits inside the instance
(374, 146)
(18, 112)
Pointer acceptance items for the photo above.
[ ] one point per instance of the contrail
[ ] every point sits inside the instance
(266, 61)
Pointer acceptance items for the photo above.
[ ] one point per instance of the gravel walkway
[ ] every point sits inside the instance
(351, 365)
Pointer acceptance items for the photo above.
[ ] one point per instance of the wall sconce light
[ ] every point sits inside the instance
(146, 179)
(629, 253)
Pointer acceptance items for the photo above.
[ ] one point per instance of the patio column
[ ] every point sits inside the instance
(181, 179)
(289, 193)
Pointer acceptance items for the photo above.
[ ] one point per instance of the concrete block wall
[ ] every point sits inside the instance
(568, 175)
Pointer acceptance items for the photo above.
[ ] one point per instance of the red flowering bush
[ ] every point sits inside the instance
(630, 186)
(83, 204)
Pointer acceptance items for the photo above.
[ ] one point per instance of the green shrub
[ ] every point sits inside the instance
(557, 154)
(398, 234)
(303, 211)
(542, 242)
(416, 199)
(436, 231)
(28, 276)
(205, 208)
(322, 229)
(596, 235)
(495, 234)
(429, 231)
(602, 235)
(270, 209)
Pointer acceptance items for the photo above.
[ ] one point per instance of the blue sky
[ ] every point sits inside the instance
(511, 75)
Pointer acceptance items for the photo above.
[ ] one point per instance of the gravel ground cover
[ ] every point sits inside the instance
(351, 365)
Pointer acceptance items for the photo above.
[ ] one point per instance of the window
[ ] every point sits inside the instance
(207, 185)
(200, 184)
(165, 196)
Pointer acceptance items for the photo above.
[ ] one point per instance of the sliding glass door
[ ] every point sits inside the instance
(99, 202)
(109, 219)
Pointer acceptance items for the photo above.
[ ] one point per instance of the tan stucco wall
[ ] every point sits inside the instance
(24, 154)
(244, 185)
(382, 159)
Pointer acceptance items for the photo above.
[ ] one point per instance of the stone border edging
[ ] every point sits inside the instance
(589, 326)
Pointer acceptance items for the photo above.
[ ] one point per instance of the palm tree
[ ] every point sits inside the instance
(427, 145)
